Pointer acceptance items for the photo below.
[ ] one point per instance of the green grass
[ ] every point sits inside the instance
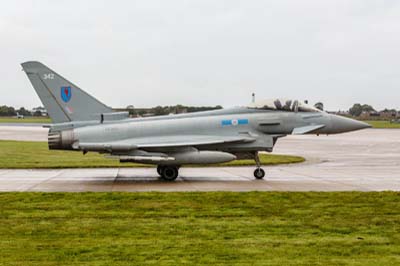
(41, 120)
(214, 228)
(24, 154)
(383, 124)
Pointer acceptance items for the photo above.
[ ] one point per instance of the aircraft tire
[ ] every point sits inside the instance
(160, 169)
(259, 173)
(169, 173)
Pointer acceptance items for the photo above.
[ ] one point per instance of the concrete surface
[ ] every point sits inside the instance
(367, 160)
(22, 124)
(22, 132)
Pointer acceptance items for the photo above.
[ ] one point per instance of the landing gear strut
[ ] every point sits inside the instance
(168, 172)
(259, 173)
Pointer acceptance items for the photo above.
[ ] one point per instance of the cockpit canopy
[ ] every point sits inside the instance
(283, 105)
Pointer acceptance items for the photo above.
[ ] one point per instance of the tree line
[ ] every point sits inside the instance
(11, 111)
(158, 110)
(166, 110)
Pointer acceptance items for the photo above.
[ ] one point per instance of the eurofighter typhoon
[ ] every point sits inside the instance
(82, 123)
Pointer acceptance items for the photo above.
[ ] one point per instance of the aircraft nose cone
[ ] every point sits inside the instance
(341, 124)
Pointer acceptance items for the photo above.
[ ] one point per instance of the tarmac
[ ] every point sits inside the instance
(366, 160)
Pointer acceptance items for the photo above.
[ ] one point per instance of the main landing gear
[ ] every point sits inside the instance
(259, 173)
(168, 172)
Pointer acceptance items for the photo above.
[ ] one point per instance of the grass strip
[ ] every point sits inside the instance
(383, 124)
(200, 228)
(40, 120)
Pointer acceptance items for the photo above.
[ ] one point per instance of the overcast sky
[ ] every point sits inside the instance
(206, 52)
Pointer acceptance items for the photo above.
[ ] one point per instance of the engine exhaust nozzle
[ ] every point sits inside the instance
(60, 140)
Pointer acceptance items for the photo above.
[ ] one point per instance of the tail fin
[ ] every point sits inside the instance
(63, 100)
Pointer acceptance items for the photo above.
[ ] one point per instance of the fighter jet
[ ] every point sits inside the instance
(82, 123)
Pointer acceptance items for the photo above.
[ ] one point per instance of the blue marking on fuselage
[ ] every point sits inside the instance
(243, 121)
(226, 122)
(234, 122)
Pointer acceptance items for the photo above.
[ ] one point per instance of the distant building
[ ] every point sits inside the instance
(382, 115)
(388, 114)
(340, 112)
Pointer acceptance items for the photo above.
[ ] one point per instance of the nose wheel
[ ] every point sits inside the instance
(259, 173)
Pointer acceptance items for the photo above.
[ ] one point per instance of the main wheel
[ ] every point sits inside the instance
(259, 173)
(160, 169)
(169, 173)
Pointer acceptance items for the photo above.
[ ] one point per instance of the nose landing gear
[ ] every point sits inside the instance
(259, 173)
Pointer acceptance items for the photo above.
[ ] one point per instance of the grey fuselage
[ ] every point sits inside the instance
(262, 128)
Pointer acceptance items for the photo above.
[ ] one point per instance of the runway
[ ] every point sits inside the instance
(367, 160)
